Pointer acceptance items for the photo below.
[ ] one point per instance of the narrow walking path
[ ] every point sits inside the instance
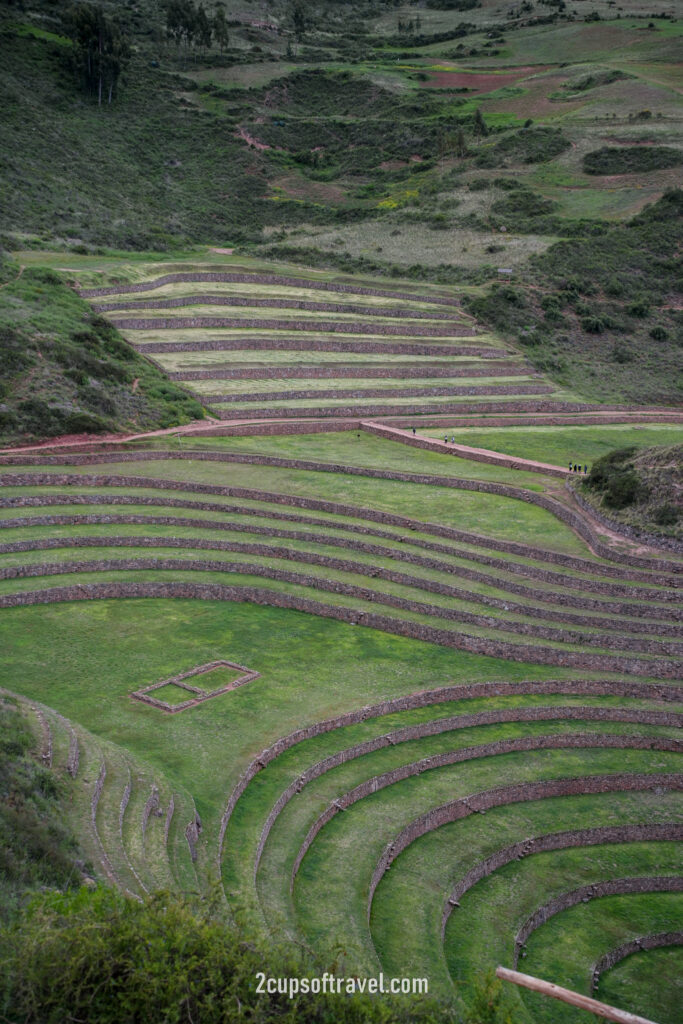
(462, 450)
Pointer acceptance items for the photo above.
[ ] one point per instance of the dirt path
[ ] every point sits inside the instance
(242, 133)
(14, 279)
(210, 426)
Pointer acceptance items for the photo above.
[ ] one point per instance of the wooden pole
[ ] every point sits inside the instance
(547, 988)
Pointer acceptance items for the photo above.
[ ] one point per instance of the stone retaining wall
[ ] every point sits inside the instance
(665, 570)
(276, 279)
(169, 818)
(365, 410)
(446, 329)
(45, 736)
(618, 642)
(302, 344)
(570, 517)
(650, 833)
(446, 423)
(152, 806)
(124, 804)
(656, 627)
(97, 793)
(273, 427)
(639, 945)
(528, 654)
(609, 887)
(309, 426)
(441, 725)
(73, 757)
(441, 695)
(480, 802)
(548, 576)
(464, 452)
(248, 302)
(485, 800)
(414, 392)
(192, 833)
(390, 371)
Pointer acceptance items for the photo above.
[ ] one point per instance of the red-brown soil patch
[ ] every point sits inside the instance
(481, 81)
(315, 191)
(535, 102)
(242, 133)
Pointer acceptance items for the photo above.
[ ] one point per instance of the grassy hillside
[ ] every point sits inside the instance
(66, 370)
(415, 142)
(133, 174)
(602, 313)
(36, 848)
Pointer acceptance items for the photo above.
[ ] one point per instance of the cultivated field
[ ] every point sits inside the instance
(218, 330)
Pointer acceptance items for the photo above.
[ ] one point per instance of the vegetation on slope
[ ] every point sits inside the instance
(95, 955)
(641, 488)
(149, 171)
(36, 849)
(66, 370)
(599, 313)
(631, 159)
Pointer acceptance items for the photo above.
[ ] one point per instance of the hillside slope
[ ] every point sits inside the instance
(66, 370)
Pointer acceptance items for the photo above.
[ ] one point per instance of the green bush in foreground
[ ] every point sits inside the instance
(94, 955)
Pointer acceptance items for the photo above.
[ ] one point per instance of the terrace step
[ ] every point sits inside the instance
(148, 857)
(267, 279)
(241, 854)
(114, 782)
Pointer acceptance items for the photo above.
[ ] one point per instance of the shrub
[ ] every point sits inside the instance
(527, 146)
(667, 515)
(639, 308)
(615, 478)
(95, 956)
(621, 355)
(659, 333)
(623, 490)
(593, 324)
(614, 287)
(631, 159)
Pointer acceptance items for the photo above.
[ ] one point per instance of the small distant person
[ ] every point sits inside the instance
(453, 439)
(570, 467)
(445, 440)
(414, 431)
(585, 469)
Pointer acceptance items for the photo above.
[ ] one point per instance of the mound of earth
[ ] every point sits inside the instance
(641, 488)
